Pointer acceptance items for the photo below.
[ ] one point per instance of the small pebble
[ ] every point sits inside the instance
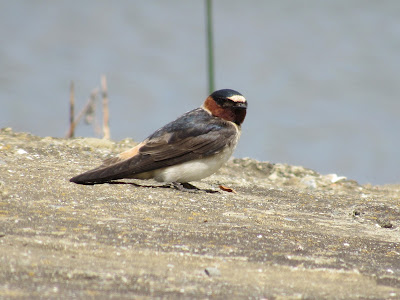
(21, 151)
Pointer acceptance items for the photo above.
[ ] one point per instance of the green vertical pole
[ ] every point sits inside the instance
(210, 47)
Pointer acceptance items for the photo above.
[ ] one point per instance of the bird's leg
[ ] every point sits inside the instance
(185, 186)
(190, 188)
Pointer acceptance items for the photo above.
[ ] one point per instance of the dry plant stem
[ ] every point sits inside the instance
(106, 127)
(88, 107)
(71, 131)
(91, 113)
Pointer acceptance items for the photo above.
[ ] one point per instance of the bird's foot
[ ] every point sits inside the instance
(187, 187)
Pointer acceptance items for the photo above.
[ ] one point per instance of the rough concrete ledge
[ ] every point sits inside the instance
(287, 233)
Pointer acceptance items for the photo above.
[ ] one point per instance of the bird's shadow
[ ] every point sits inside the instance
(184, 187)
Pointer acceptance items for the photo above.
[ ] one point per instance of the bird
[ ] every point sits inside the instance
(190, 148)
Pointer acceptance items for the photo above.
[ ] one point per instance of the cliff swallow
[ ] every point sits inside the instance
(190, 148)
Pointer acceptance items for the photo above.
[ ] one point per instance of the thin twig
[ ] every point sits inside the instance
(71, 131)
(90, 113)
(90, 116)
(106, 125)
(88, 109)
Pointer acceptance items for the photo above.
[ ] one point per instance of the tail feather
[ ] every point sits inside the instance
(102, 174)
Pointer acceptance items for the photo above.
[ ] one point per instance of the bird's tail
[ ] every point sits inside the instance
(105, 173)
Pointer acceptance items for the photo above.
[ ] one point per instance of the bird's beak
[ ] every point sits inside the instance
(240, 105)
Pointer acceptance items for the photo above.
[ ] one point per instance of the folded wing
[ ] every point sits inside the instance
(167, 147)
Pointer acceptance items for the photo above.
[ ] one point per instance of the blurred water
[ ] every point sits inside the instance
(322, 79)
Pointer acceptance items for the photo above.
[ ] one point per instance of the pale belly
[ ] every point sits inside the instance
(193, 170)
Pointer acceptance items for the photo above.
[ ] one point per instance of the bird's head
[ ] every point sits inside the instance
(227, 104)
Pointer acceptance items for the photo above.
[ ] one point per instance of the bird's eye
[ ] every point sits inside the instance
(225, 103)
(220, 102)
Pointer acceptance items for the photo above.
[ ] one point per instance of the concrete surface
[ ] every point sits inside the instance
(287, 232)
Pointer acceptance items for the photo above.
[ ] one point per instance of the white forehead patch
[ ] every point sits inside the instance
(237, 98)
